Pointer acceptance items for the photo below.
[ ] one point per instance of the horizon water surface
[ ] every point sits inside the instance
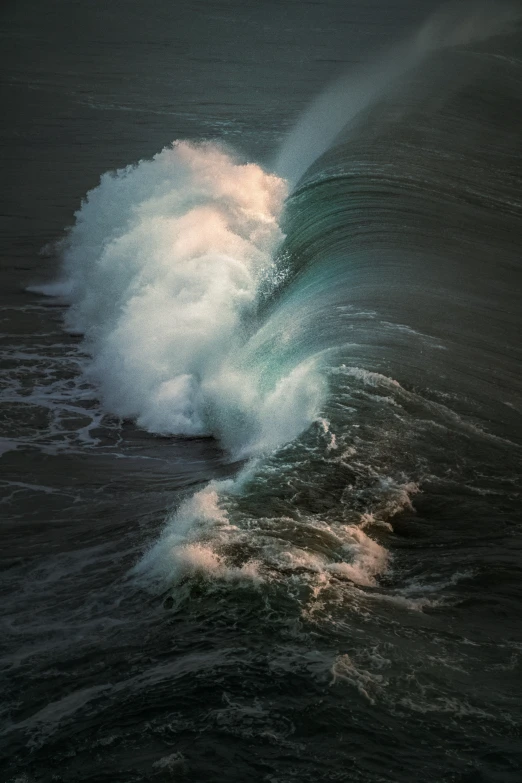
(261, 420)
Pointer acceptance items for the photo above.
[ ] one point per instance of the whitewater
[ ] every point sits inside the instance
(162, 269)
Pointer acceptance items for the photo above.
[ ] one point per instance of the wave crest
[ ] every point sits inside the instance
(162, 271)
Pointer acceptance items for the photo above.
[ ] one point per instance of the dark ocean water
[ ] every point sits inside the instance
(261, 456)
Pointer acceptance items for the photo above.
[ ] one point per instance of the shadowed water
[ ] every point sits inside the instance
(329, 591)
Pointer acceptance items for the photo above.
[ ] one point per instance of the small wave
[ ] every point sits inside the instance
(210, 537)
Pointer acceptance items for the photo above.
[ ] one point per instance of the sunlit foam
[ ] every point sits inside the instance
(161, 269)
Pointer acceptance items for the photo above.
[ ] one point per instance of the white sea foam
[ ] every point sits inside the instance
(191, 542)
(162, 270)
(200, 540)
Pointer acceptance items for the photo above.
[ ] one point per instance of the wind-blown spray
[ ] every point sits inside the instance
(342, 101)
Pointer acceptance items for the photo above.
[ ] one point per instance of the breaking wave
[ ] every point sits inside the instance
(208, 307)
